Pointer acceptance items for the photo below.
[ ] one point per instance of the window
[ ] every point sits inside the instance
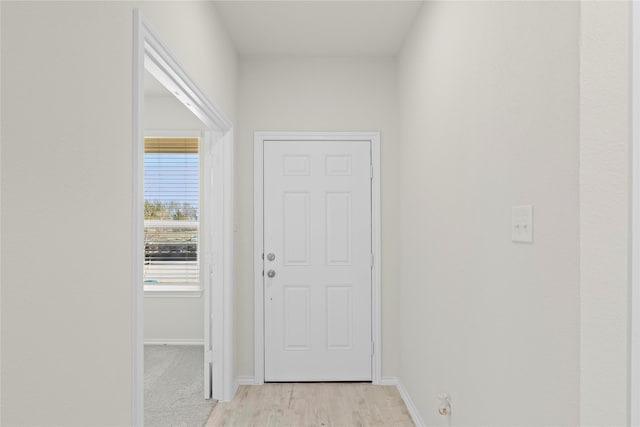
(171, 211)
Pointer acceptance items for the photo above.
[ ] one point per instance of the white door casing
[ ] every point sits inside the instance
(634, 351)
(317, 212)
(150, 54)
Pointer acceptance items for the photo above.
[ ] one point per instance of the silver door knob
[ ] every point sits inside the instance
(271, 256)
(271, 274)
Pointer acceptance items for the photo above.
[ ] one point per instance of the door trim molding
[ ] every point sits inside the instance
(634, 250)
(152, 55)
(258, 239)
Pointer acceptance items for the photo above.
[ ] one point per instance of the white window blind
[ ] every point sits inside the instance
(171, 211)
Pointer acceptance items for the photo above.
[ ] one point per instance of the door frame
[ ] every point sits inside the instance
(634, 247)
(259, 139)
(152, 55)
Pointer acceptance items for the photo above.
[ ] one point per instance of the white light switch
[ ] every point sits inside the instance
(522, 223)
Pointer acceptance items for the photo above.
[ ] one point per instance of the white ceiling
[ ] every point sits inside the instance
(318, 28)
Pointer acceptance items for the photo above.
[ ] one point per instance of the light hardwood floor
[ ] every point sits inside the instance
(312, 404)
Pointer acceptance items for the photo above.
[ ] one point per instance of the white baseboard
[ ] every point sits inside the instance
(172, 342)
(411, 407)
(245, 380)
(413, 410)
(242, 380)
(389, 381)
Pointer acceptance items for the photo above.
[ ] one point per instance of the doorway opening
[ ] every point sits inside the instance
(206, 267)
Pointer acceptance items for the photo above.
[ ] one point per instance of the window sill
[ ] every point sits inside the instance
(170, 291)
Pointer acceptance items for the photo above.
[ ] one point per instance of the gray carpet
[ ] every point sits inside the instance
(173, 386)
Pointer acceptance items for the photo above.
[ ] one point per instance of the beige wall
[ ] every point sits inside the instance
(316, 94)
(173, 320)
(66, 193)
(489, 107)
(604, 211)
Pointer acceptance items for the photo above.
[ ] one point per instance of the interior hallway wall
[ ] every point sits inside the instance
(317, 94)
(605, 90)
(66, 197)
(489, 111)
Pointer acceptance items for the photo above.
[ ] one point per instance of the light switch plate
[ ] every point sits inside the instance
(522, 224)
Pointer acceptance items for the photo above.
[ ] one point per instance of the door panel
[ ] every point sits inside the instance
(296, 224)
(296, 318)
(317, 225)
(339, 317)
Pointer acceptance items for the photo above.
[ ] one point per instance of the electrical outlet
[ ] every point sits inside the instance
(444, 406)
(522, 224)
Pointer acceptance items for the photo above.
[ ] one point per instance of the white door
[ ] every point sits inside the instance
(317, 260)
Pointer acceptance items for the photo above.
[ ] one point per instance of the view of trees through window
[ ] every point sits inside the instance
(171, 204)
(169, 210)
